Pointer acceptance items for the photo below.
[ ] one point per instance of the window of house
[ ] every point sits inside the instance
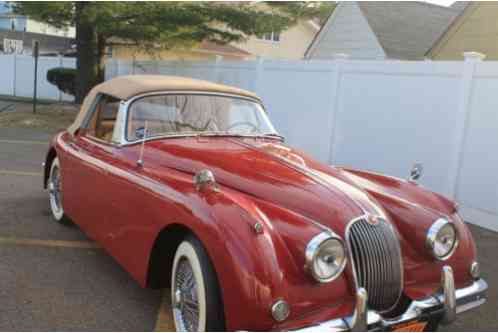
(102, 123)
(273, 36)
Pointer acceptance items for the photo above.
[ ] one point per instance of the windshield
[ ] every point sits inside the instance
(173, 115)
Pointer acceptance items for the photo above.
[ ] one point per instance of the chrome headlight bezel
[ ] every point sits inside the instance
(432, 237)
(313, 250)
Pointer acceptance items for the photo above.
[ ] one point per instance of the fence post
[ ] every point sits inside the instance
(339, 59)
(258, 73)
(462, 117)
(216, 69)
(61, 64)
(14, 79)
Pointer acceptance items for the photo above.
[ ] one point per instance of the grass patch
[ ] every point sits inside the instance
(50, 118)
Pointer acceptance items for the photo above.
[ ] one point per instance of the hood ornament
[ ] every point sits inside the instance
(416, 172)
(373, 220)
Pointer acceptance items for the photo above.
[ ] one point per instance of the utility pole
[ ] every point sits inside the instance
(35, 48)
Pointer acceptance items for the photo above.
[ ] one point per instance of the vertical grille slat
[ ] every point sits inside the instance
(377, 261)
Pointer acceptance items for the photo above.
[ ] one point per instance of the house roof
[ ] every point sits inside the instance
(222, 49)
(467, 7)
(407, 29)
(404, 29)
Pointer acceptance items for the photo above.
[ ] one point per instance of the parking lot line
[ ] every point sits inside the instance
(48, 243)
(24, 142)
(20, 173)
(164, 322)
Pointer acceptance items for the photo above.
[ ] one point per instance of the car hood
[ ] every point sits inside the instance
(273, 172)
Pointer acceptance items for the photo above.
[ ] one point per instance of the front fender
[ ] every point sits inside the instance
(256, 269)
(49, 157)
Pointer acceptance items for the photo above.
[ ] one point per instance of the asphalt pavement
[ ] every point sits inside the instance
(53, 278)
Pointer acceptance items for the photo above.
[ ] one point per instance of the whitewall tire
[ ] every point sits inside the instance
(195, 295)
(54, 187)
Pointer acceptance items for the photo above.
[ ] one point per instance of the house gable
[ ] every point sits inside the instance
(475, 30)
(346, 31)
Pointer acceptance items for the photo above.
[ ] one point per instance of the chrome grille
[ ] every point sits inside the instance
(377, 262)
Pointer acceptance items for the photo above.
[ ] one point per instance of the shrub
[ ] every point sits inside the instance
(63, 78)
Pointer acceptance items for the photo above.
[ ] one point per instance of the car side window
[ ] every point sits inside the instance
(103, 120)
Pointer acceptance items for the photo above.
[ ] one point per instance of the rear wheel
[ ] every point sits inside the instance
(55, 194)
(195, 293)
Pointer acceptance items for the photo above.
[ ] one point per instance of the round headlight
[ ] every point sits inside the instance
(325, 257)
(442, 239)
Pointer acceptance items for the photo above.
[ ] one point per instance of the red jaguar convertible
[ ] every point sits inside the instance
(187, 185)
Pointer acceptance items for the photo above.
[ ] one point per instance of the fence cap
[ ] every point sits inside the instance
(340, 56)
(474, 56)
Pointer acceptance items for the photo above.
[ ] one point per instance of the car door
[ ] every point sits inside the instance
(95, 148)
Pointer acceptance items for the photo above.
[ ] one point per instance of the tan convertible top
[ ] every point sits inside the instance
(126, 87)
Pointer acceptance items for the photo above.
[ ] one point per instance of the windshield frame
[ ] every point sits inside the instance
(126, 105)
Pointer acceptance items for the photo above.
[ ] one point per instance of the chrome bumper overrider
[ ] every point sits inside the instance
(447, 304)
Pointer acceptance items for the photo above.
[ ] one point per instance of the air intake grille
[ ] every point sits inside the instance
(377, 261)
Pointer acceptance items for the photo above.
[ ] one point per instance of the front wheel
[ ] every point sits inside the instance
(195, 293)
(55, 193)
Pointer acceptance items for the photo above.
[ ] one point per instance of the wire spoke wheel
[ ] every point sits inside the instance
(185, 303)
(55, 191)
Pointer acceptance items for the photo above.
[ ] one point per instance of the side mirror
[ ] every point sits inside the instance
(416, 172)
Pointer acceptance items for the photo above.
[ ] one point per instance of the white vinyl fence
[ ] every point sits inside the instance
(17, 76)
(378, 115)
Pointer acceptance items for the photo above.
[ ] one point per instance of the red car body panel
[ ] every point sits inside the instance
(124, 207)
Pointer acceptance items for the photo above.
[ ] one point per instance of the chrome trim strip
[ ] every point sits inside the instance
(467, 298)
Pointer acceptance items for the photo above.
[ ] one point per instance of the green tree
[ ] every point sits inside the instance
(150, 25)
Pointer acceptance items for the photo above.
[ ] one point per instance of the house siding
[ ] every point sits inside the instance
(292, 45)
(477, 31)
(347, 31)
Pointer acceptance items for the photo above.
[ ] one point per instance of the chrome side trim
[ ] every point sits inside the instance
(466, 298)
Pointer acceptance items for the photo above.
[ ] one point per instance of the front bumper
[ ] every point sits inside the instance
(447, 304)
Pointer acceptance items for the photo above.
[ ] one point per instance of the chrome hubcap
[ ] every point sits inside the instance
(185, 297)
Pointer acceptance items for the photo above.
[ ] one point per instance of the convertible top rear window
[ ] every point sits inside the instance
(164, 115)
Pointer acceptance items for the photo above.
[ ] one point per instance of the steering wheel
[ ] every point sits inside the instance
(253, 127)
